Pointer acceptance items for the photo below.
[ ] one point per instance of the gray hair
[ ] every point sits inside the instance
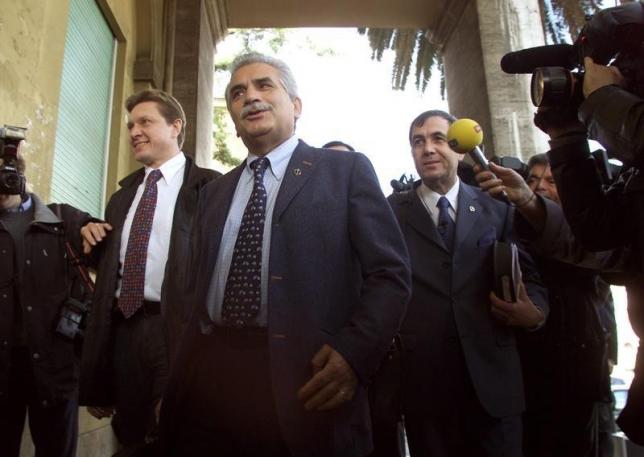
(286, 76)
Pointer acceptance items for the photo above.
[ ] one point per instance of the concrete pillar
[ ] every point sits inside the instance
(474, 35)
(198, 25)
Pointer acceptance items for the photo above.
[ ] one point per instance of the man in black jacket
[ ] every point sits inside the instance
(613, 114)
(141, 253)
(38, 367)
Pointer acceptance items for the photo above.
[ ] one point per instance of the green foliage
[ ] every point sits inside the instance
(222, 153)
(560, 18)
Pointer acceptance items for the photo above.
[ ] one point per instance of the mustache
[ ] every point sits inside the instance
(254, 107)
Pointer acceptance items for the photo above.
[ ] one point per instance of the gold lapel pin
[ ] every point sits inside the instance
(297, 171)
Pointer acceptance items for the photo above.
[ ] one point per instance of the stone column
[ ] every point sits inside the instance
(198, 25)
(474, 35)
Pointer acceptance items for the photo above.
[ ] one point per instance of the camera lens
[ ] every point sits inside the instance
(551, 86)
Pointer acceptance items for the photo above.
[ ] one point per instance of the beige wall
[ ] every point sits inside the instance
(32, 33)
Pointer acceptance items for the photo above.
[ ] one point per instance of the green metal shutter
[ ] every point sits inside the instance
(84, 110)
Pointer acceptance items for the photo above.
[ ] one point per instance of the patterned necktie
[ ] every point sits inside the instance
(243, 293)
(446, 225)
(133, 280)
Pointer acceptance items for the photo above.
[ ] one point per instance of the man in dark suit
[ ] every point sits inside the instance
(141, 256)
(301, 279)
(461, 384)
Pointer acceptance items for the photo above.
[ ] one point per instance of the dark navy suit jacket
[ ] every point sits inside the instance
(338, 274)
(452, 290)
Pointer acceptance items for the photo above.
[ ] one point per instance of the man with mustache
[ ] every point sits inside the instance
(462, 392)
(301, 277)
(136, 317)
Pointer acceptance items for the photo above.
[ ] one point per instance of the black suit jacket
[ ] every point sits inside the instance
(452, 290)
(339, 275)
(95, 387)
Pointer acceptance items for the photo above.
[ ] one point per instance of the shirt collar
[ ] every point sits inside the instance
(431, 197)
(278, 158)
(24, 205)
(170, 167)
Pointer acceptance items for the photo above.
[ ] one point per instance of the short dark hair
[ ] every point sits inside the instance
(422, 117)
(333, 143)
(538, 159)
(169, 107)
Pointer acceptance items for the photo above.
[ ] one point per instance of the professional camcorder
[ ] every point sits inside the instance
(614, 36)
(12, 182)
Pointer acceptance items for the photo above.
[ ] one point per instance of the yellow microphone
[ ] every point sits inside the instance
(464, 136)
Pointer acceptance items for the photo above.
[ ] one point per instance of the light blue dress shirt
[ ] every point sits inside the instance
(279, 159)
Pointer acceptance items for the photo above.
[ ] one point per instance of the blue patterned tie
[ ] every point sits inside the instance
(136, 254)
(243, 293)
(446, 225)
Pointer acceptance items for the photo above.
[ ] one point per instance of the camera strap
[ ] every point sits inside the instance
(75, 260)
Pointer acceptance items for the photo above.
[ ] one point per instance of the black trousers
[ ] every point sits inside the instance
(139, 375)
(54, 428)
(454, 423)
(226, 406)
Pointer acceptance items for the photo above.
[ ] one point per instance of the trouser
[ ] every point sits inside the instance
(454, 423)
(139, 374)
(54, 428)
(227, 407)
(568, 431)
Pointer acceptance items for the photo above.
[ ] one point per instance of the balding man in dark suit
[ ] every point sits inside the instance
(301, 279)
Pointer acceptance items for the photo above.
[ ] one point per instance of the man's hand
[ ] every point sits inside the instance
(93, 233)
(598, 76)
(521, 313)
(500, 179)
(100, 412)
(157, 410)
(332, 384)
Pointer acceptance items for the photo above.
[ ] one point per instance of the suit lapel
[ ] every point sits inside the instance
(422, 222)
(298, 172)
(469, 210)
(217, 211)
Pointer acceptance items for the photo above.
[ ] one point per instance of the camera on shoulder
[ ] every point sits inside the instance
(613, 36)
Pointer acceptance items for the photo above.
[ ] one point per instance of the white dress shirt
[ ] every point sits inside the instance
(430, 200)
(167, 192)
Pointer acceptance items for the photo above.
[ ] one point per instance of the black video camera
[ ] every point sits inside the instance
(613, 36)
(12, 182)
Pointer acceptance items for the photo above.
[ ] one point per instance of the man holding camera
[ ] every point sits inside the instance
(38, 367)
(612, 113)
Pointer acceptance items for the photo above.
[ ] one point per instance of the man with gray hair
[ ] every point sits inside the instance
(301, 277)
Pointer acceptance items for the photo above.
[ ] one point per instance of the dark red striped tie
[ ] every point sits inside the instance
(133, 280)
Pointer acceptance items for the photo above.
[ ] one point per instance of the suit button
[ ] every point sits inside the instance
(28, 262)
(29, 308)
(36, 356)
(45, 403)
(4, 295)
(446, 265)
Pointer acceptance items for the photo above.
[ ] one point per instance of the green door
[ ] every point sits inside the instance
(80, 153)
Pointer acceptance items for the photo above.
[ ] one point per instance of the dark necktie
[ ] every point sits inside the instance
(446, 225)
(136, 254)
(243, 293)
